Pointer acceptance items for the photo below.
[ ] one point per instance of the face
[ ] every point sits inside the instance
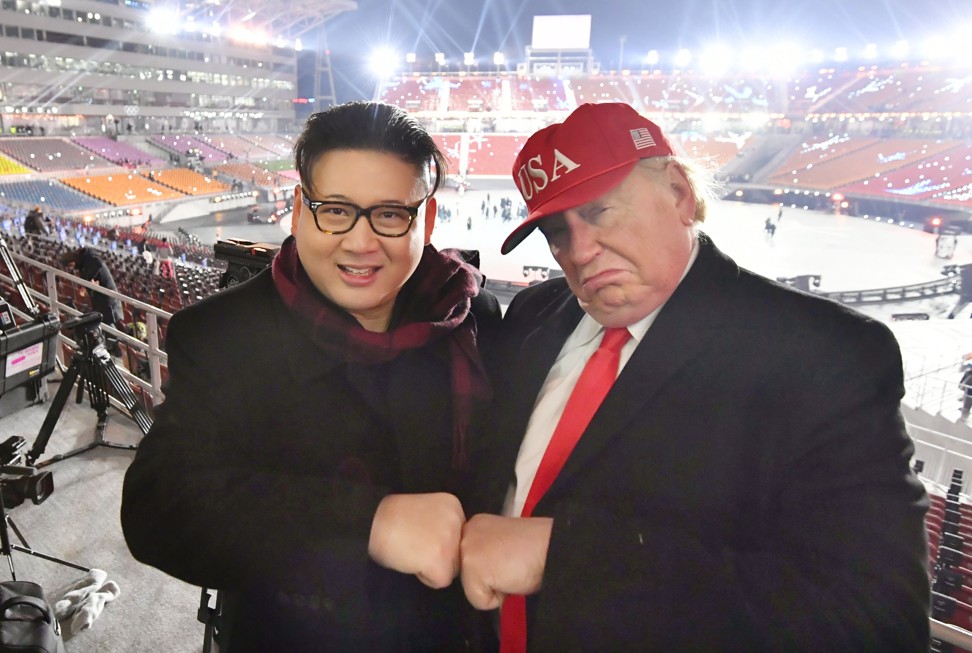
(361, 271)
(624, 253)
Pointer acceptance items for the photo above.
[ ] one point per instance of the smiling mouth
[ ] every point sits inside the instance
(357, 271)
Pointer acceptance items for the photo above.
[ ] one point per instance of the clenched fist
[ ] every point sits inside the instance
(419, 534)
(503, 555)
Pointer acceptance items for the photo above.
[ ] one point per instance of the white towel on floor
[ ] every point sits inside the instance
(78, 604)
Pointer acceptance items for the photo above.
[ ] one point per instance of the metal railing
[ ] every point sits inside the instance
(152, 350)
(946, 286)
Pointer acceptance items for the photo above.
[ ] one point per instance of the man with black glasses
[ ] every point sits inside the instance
(313, 445)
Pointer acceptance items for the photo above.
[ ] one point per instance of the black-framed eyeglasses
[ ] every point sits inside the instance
(335, 218)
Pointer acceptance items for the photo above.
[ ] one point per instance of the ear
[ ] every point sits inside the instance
(431, 207)
(684, 197)
(298, 205)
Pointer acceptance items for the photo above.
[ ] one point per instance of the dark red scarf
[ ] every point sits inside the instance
(434, 303)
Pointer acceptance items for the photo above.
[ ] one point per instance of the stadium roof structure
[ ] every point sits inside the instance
(289, 20)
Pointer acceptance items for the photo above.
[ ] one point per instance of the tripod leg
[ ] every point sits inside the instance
(54, 412)
(98, 374)
(113, 378)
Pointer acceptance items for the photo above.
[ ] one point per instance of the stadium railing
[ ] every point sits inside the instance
(155, 319)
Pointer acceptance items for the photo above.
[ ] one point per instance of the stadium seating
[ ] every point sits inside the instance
(475, 94)
(414, 94)
(186, 181)
(945, 176)
(281, 146)
(123, 189)
(715, 151)
(877, 156)
(493, 154)
(602, 89)
(450, 145)
(11, 167)
(50, 195)
(49, 154)
(538, 95)
(247, 172)
(819, 149)
(183, 145)
(237, 147)
(118, 152)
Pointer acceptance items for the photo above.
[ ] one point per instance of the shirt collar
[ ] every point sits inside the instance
(589, 328)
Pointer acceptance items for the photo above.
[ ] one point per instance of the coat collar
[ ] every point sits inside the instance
(683, 332)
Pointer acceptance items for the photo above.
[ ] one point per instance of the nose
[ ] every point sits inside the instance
(583, 245)
(361, 238)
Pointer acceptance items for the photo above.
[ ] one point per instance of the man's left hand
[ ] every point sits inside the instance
(503, 555)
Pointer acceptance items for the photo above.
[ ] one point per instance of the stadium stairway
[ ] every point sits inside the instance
(762, 155)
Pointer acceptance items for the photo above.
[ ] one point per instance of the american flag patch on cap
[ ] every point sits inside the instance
(642, 138)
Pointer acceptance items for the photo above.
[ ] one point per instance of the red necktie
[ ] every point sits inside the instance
(592, 386)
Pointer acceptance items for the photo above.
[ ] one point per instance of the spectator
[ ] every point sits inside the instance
(163, 260)
(35, 223)
(89, 266)
(314, 434)
(745, 484)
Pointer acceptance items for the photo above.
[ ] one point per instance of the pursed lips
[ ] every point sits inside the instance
(595, 282)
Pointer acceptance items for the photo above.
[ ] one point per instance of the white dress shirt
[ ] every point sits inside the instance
(556, 389)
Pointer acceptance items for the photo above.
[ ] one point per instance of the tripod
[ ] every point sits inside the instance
(7, 547)
(91, 363)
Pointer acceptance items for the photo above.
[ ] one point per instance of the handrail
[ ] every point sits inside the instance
(156, 356)
(950, 633)
(946, 286)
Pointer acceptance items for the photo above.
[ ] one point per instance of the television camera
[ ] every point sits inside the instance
(20, 481)
(244, 259)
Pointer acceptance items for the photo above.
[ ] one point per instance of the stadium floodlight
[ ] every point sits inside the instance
(871, 51)
(245, 34)
(440, 58)
(714, 60)
(652, 58)
(900, 50)
(410, 57)
(816, 56)
(753, 59)
(384, 62)
(499, 59)
(840, 54)
(784, 59)
(298, 45)
(683, 58)
(163, 20)
(469, 58)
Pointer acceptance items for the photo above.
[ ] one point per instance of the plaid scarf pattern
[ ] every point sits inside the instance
(433, 304)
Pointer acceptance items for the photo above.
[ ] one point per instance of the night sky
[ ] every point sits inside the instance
(483, 27)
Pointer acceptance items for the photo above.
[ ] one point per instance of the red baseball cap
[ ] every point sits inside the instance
(575, 161)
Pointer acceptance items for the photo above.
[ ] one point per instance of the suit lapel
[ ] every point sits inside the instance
(682, 333)
(529, 366)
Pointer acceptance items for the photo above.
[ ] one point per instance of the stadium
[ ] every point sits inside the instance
(162, 138)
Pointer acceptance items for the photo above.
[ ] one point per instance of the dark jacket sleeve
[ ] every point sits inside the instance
(232, 486)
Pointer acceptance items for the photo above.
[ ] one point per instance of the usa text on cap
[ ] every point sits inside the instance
(571, 163)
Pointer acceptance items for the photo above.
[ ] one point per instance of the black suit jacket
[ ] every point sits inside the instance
(265, 465)
(744, 486)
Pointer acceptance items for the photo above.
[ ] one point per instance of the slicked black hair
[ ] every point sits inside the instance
(369, 126)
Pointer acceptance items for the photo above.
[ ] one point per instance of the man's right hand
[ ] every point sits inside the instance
(419, 534)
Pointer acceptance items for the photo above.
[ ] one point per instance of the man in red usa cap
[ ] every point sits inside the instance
(687, 456)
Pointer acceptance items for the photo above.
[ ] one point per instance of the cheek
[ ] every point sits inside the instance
(405, 253)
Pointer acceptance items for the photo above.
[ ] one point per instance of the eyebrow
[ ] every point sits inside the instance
(337, 197)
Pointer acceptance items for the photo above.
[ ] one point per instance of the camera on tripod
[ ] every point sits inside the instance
(87, 330)
(19, 481)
